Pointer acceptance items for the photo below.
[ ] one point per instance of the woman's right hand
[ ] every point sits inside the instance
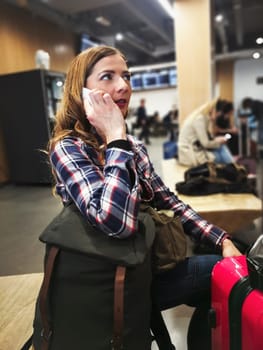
(229, 249)
(220, 139)
(105, 116)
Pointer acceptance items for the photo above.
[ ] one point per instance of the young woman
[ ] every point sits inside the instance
(195, 143)
(108, 173)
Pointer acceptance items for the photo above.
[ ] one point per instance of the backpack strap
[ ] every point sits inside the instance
(46, 331)
(118, 320)
(43, 295)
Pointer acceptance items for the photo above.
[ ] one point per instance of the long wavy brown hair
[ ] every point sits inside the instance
(71, 119)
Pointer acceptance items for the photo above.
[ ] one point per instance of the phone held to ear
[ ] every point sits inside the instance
(85, 93)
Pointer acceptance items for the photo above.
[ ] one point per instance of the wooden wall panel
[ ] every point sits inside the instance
(21, 34)
(225, 79)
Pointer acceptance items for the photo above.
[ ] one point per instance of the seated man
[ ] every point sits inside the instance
(170, 122)
(143, 122)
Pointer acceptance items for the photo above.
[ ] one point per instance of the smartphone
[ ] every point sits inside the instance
(85, 93)
(228, 136)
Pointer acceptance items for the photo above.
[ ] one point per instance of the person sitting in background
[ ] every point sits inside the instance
(254, 111)
(196, 144)
(142, 121)
(224, 124)
(253, 127)
(224, 121)
(156, 125)
(170, 122)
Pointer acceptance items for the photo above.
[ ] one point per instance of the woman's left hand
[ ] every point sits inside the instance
(229, 249)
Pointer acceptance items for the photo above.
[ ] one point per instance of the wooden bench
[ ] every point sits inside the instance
(229, 211)
(18, 295)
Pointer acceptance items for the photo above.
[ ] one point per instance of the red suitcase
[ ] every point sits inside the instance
(252, 321)
(236, 315)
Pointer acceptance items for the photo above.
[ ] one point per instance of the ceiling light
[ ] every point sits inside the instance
(259, 40)
(167, 7)
(119, 36)
(219, 18)
(256, 55)
(103, 21)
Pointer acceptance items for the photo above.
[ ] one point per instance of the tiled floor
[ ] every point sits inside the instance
(26, 210)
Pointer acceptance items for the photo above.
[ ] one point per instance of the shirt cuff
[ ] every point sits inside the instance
(220, 245)
(123, 144)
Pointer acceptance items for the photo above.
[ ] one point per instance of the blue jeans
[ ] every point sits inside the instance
(223, 155)
(189, 283)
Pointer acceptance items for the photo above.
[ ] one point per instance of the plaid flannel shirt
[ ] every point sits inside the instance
(109, 195)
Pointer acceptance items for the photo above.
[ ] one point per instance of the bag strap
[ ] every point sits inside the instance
(118, 319)
(46, 331)
(118, 314)
(43, 295)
